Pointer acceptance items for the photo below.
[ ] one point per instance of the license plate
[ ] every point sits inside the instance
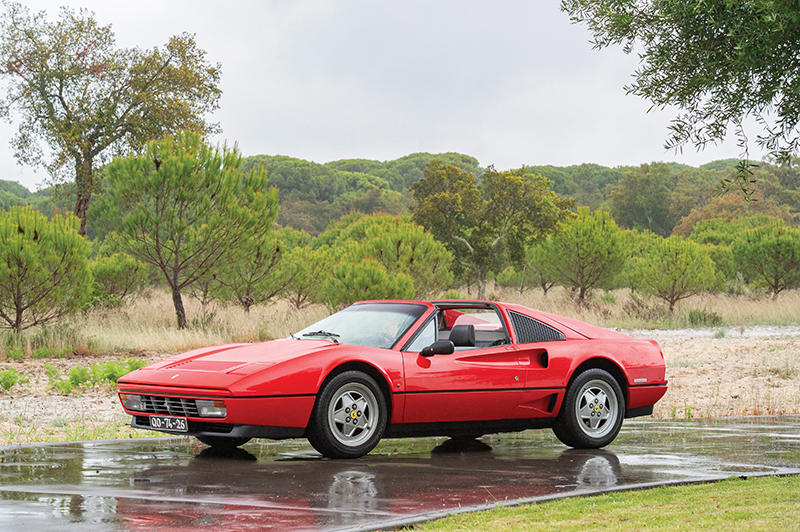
(176, 424)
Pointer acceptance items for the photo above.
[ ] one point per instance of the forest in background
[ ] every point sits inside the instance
(665, 198)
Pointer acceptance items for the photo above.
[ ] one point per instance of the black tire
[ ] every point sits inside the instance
(222, 442)
(575, 430)
(326, 430)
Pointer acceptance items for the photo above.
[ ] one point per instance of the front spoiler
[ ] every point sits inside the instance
(198, 428)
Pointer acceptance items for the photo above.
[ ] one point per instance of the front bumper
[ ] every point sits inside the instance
(214, 428)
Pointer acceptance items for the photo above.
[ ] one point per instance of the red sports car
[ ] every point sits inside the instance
(405, 368)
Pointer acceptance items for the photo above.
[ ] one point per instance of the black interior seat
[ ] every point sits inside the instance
(463, 335)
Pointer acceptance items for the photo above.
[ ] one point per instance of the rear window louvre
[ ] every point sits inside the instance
(530, 330)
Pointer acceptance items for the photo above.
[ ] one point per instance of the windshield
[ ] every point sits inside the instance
(368, 324)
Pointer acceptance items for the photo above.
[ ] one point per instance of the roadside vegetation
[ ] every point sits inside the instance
(766, 503)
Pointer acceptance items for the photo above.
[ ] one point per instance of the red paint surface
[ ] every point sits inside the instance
(274, 383)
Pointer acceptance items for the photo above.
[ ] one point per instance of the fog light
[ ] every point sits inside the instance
(211, 408)
(132, 402)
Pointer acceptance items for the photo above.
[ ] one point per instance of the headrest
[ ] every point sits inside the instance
(463, 335)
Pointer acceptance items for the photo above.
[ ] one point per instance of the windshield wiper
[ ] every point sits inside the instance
(332, 336)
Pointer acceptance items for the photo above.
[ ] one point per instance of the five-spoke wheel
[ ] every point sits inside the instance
(352, 414)
(349, 417)
(592, 413)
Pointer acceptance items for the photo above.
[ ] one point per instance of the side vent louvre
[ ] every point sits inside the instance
(531, 330)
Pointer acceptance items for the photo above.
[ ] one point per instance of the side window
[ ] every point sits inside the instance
(530, 330)
(425, 338)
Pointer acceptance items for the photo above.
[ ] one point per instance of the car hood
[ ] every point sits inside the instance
(221, 366)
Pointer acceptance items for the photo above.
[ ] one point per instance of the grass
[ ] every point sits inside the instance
(97, 374)
(148, 323)
(765, 503)
(74, 430)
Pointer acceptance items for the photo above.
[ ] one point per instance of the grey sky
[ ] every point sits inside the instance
(509, 82)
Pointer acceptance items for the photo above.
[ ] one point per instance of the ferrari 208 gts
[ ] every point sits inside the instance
(405, 368)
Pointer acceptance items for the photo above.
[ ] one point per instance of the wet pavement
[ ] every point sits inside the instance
(178, 484)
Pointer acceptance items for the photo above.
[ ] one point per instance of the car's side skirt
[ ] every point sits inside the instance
(466, 428)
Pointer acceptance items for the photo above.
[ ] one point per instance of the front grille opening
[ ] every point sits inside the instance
(170, 406)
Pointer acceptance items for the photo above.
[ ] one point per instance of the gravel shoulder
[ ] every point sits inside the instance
(741, 371)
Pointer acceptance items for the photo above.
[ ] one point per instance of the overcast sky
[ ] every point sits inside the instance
(509, 82)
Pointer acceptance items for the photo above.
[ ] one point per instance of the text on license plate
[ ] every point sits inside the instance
(178, 424)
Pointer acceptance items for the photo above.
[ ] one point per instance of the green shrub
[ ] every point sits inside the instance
(452, 294)
(52, 372)
(79, 375)
(701, 317)
(63, 387)
(15, 353)
(609, 298)
(10, 378)
(42, 352)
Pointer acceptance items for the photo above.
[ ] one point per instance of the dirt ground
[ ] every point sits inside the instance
(712, 373)
(733, 371)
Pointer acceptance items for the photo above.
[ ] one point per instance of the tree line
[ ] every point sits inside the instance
(192, 217)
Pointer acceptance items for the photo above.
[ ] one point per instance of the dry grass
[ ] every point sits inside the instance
(618, 309)
(147, 325)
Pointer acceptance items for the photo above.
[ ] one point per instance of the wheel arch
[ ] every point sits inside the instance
(369, 369)
(599, 362)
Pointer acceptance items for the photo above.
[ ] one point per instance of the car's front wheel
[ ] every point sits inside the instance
(592, 413)
(350, 416)
(222, 442)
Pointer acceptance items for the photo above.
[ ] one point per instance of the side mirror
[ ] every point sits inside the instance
(439, 347)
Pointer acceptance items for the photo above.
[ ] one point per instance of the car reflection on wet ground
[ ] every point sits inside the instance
(177, 484)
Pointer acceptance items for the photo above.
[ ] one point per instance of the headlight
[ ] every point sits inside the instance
(132, 402)
(211, 408)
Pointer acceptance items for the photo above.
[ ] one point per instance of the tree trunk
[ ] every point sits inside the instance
(482, 274)
(180, 314)
(83, 190)
(522, 280)
(545, 288)
(582, 294)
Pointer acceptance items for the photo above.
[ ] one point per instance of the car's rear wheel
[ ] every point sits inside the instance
(350, 416)
(222, 442)
(592, 413)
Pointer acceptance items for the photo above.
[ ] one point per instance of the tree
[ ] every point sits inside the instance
(482, 224)
(256, 272)
(641, 199)
(718, 62)
(585, 253)
(674, 269)
(770, 255)
(529, 273)
(186, 208)
(86, 99)
(363, 280)
(116, 277)
(732, 206)
(44, 270)
(307, 269)
(399, 245)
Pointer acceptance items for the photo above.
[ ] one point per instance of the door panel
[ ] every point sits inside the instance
(469, 385)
